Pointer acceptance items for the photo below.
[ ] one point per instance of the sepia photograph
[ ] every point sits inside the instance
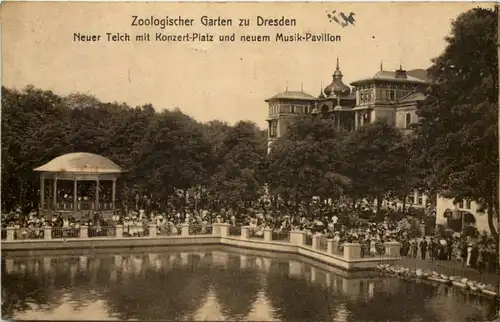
(250, 161)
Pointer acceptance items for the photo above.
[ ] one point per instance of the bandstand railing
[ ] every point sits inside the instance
(83, 206)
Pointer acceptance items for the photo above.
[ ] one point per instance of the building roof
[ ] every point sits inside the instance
(80, 162)
(412, 97)
(390, 76)
(292, 95)
(420, 74)
(337, 87)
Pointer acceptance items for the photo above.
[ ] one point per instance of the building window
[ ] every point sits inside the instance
(273, 129)
(392, 95)
(306, 109)
(383, 94)
(420, 198)
(292, 108)
(408, 120)
(468, 204)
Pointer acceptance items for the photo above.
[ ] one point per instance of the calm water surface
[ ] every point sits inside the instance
(216, 284)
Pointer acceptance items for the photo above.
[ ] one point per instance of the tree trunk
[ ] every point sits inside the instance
(404, 201)
(491, 214)
(379, 204)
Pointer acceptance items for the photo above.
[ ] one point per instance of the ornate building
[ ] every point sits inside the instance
(389, 95)
(392, 96)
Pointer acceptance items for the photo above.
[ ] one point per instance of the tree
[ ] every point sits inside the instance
(240, 152)
(458, 131)
(174, 154)
(305, 162)
(376, 161)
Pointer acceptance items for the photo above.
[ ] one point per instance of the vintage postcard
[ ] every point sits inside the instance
(249, 161)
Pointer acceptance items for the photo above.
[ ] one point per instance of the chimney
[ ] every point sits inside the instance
(401, 73)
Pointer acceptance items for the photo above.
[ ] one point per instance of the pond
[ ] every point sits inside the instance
(215, 283)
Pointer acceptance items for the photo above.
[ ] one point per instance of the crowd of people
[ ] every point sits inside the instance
(473, 251)
(31, 226)
(342, 223)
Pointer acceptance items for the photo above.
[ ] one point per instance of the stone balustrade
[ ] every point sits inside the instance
(297, 237)
(268, 234)
(392, 249)
(351, 251)
(245, 232)
(184, 229)
(316, 241)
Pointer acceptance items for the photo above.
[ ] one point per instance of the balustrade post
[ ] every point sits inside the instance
(152, 230)
(10, 233)
(216, 229)
(392, 249)
(119, 231)
(268, 234)
(352, 251)
(47, 233)
(316, 241)
(245, 232)
(329, 245)
(224, 230)
(84, 231)
(184, 229)
(297, 237)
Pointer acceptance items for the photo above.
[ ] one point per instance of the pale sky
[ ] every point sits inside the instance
(226, 81)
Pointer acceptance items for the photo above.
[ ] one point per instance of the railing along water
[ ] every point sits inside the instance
(200, 229)
(234, 230)
(309, 240)
(281, 235)
(323, 244)
(25, 233)
(102, 231)
(65, 232)
(256, 233)
(135, 231)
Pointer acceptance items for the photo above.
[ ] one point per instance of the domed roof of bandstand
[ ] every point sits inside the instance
(80, 162)
(337, 87)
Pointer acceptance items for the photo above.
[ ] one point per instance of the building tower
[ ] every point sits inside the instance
(283, 107)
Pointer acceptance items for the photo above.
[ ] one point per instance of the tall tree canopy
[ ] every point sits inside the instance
(240, 154)
(305, 163)
(376, 161)
(458, 131)
(162, 152)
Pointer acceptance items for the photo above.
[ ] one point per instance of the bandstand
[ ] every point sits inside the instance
(78, 184)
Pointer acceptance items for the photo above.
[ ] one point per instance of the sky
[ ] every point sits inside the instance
(212, 80)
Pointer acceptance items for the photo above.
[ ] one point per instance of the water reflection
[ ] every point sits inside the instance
(217, 284)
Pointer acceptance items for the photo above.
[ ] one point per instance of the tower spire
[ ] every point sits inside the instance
(321, 94)
(301, 86)
(338, 63)
(400, 65)
(381, 66)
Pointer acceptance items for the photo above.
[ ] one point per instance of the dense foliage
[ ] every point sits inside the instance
(163, 153)
(458, 132)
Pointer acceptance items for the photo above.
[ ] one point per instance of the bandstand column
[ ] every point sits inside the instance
(42, 191)
(97, 195)
(54, 196)
(75, 194)
(113, 194)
